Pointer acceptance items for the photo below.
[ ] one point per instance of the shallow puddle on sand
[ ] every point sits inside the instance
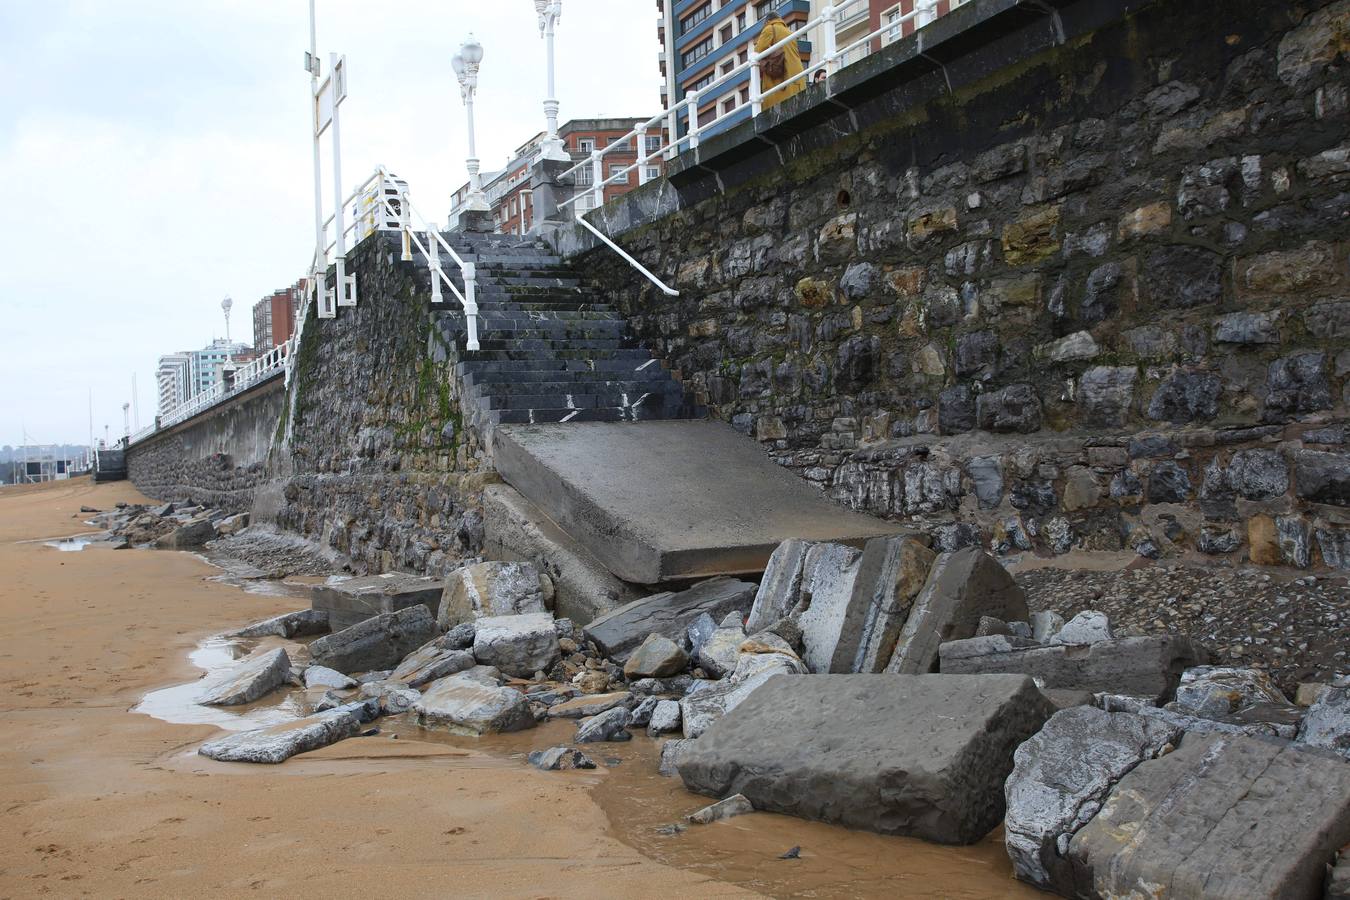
(834, 862)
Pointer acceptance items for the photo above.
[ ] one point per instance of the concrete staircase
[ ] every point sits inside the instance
(551, 350)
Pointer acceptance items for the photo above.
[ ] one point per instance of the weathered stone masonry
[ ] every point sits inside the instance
(1091, 294)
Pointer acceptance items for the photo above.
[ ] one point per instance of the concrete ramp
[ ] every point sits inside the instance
(667, 500)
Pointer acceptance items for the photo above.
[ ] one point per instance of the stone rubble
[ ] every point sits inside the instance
(379, 642)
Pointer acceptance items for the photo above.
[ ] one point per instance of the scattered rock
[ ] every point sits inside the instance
(467, 705)
(1327, 723)
(718, 654)
(518, 645)
(280, 742)
(665, 718)
(781, 588)
(619, 632)
(1214, 691)
(490, 589)
(611, 725)
(671, 754)
(732, 806)
(300, 623)
(460, 637)
(1088, 627)
(589, 705)
(657, 657)
(379, 642)
(322, 676)
(191, 536)
(350, 601)
(255, 677)
(558, 758)
(792, 853)
(698, 633)
(1045, 625)
(429, 662)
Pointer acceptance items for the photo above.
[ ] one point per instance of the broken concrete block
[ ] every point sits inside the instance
(1327, 723)
(517, 645)
(490, 589)
(1221, 816)
(962, 586)
(656, 657)
(781, 588)
(1215, 691)
(827, 587)
(256, 676)
(353, 600)
(717, 655)
(280, 742)
(849, 749)
(1060, 778)
(618, 633)
(300, 623)
(465, 705)
(376, 643)
(1147, 666)
(1088, 627)
(722, 809)
(891, 572)
(429, 662)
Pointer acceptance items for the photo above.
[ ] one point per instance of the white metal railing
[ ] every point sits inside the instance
(831, 59)
(632, 262)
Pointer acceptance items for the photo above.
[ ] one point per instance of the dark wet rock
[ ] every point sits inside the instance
(379, 642)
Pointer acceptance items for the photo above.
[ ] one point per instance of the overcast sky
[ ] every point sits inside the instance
(156, 158)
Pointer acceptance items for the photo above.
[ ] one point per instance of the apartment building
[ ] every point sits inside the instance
(174, 379)
(702, 40)
(274, 316)
(508, 189)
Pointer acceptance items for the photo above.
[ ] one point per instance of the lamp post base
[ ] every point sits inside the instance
(480, 221)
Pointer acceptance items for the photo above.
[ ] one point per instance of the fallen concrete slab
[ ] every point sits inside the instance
(780, 589)
(514, 529)
(962, 587)
(280, 742)
(723, 504)
(619, 632)
(379, 642)
(255, 677)
(357, 599)
(1221, 817)
(917, 755)
(1148, 666)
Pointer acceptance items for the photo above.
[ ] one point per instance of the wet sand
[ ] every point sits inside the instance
(100, 801)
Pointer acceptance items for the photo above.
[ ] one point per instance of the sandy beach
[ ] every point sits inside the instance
(100, 801)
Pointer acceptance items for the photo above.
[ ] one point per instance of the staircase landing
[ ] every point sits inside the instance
(669, 500)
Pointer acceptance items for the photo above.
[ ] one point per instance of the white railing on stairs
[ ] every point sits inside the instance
(669, 291)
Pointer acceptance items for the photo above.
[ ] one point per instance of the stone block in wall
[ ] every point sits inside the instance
(1322, 477)
(1105, 395)
(1186, 396)
(1319, 41)
(1032, 237)
(1015, 408)
(1297, 383)
(1177, 277)
(1247, 328)
(1328, 321)
(1309, 267)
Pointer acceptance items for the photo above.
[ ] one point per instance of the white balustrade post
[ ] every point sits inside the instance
(405, 226)
(756, 92)
(434, 263)
(927, 12)
(691, 107)
(597, 179)
(470, 304)
(673, 127)
(830, 38)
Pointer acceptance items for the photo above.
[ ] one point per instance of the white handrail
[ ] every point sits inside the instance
(669, 291)
(925, 11)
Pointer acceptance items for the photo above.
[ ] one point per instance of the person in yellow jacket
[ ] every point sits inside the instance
(780, 65)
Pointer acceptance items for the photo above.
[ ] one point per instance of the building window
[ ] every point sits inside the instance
(697, 52)
(745, 95)
(724, 36)
(617, 174)
(762, 10)
(701, 83)
(740, 21)
(726, 67)
(653, 143)
(583, 176)
(728, 105)
(586, 145)
(890, 19)
(695, 17)
(653, 173)
(744, 56)
(619, 143)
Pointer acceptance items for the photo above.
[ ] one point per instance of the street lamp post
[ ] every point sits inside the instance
(549, 12)
(465, 64)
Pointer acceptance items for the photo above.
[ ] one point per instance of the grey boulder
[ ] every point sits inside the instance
(280, 742)
(665, 718)
(1327, 723)
(300, 623)
(429, 662)
(256, 676)
(732, 806)
(465, 704)
(656, 657)
(1060, 778)
(718, 654)
(379, 642)
(1213, 691)
(517, 645)
(1088, 627)
(780, 590)
(709, 701)
(618, 633)
(610, 725)
(491, 589)
(322, 676)
(917, 755)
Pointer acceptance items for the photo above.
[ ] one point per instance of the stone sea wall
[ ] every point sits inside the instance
(216, 460)
(1090, 293)
(374, 462)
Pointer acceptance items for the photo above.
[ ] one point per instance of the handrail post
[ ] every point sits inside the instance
(830, 39)
(673, 128)
(405, 226)
(597, 179)
(926, 13)
(470, 271)
(756, 94)
(691, 107)
(642, 157)
(434, 263)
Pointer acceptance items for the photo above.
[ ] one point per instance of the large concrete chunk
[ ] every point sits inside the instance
(517, 645)
(962, 586)
(515, 529)
(280, 742)
(379, 642)
(490, 589)
(781, 588)
(618, 633)
(827, 588)
(1221, 817)
(918, 755)
(255, 677)
(1214, 691)
(1148, 666)
(1060, 778)
(891, 572)
(665, 500)
(467, 705)
(354, 600)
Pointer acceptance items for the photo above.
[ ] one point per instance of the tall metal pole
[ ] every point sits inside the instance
(549, 12)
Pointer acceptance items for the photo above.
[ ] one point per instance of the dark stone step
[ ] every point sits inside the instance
(491, 343)
(478, 367)
(655, 375)
(614, 390)
(559, 332)
(643, 413)
(625, 353)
